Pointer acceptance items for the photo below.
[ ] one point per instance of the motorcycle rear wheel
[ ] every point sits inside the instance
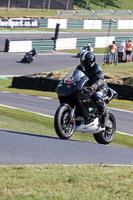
(63, 126)
(106, 136)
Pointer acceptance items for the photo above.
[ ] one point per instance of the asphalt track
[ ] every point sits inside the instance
(45, 62)
(18, 148)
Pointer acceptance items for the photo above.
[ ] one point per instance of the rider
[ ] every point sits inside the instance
(33, 52)
(96, 82)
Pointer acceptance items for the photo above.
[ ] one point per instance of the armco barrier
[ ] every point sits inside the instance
(43, 45)
(77, 24)
(66, 43)
(66, 23)
(62, 43)
(81, 42)
(86, 24)
(45, 84)
(43, 23)
(25, 46)
(20, 46)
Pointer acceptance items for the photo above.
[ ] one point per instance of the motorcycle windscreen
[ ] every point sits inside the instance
(74, 75)
(72, 83)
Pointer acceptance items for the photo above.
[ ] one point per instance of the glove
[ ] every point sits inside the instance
(91, 88)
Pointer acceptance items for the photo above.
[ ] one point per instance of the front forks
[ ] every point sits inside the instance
(71, 113)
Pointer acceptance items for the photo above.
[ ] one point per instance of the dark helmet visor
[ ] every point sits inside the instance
(87, 63)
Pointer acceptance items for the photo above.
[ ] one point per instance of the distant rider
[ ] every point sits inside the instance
(96, 83)
(33, 52)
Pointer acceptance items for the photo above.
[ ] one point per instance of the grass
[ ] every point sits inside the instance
(38, 13)
(26, 122)
(17, 120)
(98, 5)
(92, 31)
(96, 51)
(28, 13)
(66, 182)
(119, 71)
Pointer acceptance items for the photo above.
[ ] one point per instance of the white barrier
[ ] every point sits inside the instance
(52, 23)
(125, 24)
(66, 43)
(92, 24)
(102, 42)
(20, 46)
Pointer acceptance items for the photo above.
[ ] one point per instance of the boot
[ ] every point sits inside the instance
(105, 117)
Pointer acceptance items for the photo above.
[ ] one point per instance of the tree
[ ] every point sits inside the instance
(101, 3)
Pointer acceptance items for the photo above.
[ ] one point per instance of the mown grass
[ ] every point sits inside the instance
(96, 51)
(98, 5)
(28, 13)
(51, 13)
(66, 182)
(17, 120)
(119, 71)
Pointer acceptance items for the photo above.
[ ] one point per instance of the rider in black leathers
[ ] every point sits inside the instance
(96, 83)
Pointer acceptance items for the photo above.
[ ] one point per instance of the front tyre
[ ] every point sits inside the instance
(64, 127)
(106, 136)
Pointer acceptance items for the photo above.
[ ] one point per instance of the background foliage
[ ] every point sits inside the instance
(104, 4)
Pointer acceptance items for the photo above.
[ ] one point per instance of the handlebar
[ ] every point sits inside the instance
(86, 89)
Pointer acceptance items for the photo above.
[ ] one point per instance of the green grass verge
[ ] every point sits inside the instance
(96, 51)
(28, 13)
(98, 5)
(11, 30)
(23, 121)
(66, 182)
(38, 13)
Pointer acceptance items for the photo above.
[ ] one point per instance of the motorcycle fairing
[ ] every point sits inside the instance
(93, 127)
(72, 83)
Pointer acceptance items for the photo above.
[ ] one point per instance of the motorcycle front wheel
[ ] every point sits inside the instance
(106, 136)
(64, 127)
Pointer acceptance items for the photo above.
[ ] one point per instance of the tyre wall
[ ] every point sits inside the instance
(43, 84)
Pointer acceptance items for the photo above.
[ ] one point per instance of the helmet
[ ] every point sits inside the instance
(88, 60)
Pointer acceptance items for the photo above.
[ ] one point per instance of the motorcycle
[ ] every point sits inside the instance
(29, 56)
(76, 104)
(83, 49)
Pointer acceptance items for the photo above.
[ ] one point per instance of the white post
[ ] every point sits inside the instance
(49, 4)
(28, 5)
(67, 5)
(8, 6)
(43, 5)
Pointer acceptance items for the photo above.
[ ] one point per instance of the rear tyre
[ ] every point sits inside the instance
(106, 136)
(23, 60)
(64, 127)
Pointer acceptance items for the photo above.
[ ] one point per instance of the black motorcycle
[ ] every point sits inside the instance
(29, 56)
(76, 104)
